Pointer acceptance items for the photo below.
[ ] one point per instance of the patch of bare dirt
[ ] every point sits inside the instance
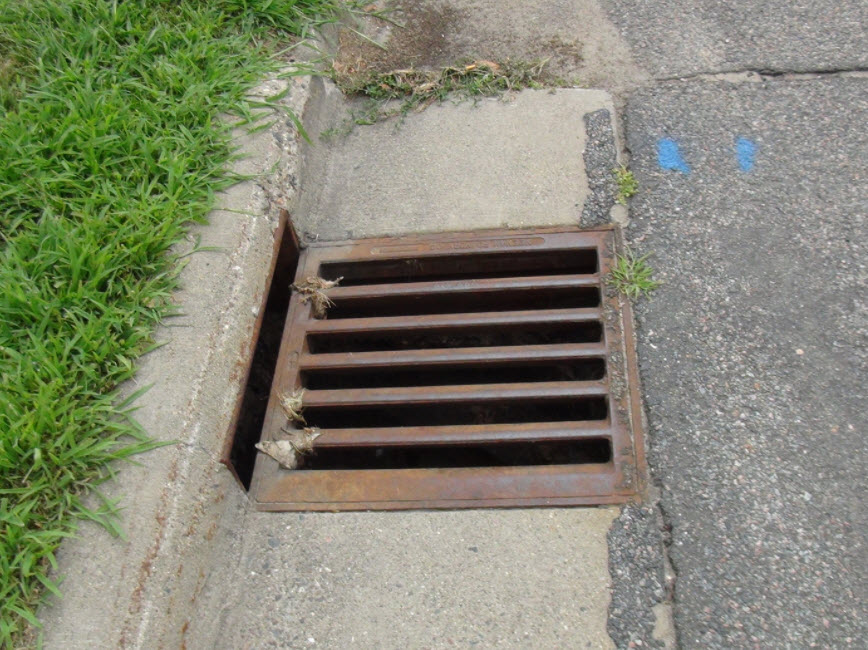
(421, 42)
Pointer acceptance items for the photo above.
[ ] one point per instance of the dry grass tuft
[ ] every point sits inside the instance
(400, 91)
(293, 405)
(313, 290)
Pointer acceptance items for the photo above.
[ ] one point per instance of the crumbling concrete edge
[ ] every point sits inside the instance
(600, 159)
(640, 612)
(140, 591)
(642, 576)
(641, 573)
(604, 152)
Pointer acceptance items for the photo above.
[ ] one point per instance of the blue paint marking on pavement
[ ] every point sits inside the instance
(745, 151)
(668, 156)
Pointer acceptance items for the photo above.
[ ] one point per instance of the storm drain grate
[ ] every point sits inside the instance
(465, 370)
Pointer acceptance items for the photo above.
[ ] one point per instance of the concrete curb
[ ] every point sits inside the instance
(140, 592)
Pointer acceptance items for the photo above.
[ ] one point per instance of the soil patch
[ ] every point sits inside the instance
(422, 42)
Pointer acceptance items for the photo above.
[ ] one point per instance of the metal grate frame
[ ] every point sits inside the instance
(503, 284)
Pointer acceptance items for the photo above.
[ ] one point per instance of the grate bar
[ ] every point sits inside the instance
(432, 321)
(447, 394)
(483, 285)
(451, 356)
(443, 487)
(463, 434)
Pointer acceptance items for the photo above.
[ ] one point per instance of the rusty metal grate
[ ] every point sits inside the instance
(465, 370)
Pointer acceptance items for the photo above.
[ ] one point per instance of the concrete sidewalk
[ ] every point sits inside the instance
(494, 163)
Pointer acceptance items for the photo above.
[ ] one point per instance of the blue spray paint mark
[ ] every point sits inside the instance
(745, 151)
(668, 156)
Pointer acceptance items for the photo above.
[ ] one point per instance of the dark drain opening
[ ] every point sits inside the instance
(504, 454)
(465, 302)
(464, 337)
(457, 267)
(542, 410)
(251, 413)
(572, 370)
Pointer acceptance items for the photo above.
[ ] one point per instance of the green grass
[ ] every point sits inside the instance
(627, 184)
(396, 93)
(111, 144)
(292, 16)
(632, 276)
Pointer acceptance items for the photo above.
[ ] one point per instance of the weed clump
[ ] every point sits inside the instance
(626, 182)
(632, 276)
(401, 91)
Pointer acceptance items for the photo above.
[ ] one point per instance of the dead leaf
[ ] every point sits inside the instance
(491, 65)
(289, 451)
(281, 451)
(302, 441)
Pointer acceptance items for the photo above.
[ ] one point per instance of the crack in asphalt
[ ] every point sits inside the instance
(757, 75)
